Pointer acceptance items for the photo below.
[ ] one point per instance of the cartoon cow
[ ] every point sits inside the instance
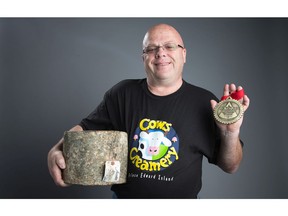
(149, 143)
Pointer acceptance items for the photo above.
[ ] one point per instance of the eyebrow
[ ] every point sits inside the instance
(163, 43)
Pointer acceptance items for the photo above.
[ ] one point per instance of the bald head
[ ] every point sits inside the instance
(161, 32)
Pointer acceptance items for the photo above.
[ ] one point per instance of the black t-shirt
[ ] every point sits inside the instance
(168, 137)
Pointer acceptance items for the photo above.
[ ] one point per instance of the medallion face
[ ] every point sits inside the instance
(228, 111)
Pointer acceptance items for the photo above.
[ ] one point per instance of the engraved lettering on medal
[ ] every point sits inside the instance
(228, 111)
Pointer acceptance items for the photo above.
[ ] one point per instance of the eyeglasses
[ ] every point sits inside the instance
(168, 47)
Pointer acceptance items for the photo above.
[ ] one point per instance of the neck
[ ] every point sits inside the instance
(164, 89)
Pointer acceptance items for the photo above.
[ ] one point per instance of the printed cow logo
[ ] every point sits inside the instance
(155, 145)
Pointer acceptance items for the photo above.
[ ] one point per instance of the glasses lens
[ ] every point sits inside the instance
(170, 46)
(154, 49)
(150, 49)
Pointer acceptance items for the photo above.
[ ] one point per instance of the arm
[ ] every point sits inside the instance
(56, 162)
(230, 152)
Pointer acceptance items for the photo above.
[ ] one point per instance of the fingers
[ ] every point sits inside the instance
(57, 177)
(232, 88)
(239, 88)
(228, 89)
(60, 162)
(56, 164)
(246, 102)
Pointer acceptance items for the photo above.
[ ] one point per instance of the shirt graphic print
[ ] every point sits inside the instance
(155, 145)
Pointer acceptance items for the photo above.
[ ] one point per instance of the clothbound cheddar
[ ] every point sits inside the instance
(95, 157)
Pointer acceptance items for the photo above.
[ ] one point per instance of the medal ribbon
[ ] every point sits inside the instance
(237, 95)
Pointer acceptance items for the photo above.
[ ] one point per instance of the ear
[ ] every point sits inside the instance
(184, 55)
(143, 57)
(144, 135)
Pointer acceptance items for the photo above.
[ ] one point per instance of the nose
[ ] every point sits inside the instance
(153, 150)
(161, 52)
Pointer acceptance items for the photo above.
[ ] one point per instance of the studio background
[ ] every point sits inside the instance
(55, 71)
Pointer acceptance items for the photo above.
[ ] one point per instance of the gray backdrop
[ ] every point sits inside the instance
(54, 72)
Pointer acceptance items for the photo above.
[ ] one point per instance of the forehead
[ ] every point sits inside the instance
(160, 35)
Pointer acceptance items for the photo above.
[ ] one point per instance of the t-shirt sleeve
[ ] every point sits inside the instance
(99, 119)
(210, 145)
(110, 113)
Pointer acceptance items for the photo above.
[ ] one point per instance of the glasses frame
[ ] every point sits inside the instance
(158, 47)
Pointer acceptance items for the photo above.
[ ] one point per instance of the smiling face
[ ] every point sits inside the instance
(163, 63)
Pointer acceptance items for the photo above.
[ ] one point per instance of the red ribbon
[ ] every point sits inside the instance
(236, 95)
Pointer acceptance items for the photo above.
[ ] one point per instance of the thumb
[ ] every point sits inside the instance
(61, 163)
(213, 103)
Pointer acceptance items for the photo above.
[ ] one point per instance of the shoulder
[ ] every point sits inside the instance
(126, 85)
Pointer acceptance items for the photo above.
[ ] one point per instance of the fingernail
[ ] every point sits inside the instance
(61, 163)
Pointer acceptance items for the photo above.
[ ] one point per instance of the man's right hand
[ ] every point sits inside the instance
(56, 161)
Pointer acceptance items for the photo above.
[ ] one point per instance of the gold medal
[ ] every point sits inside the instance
(228, 111)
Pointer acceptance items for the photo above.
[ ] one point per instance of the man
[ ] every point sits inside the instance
(173, 115)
